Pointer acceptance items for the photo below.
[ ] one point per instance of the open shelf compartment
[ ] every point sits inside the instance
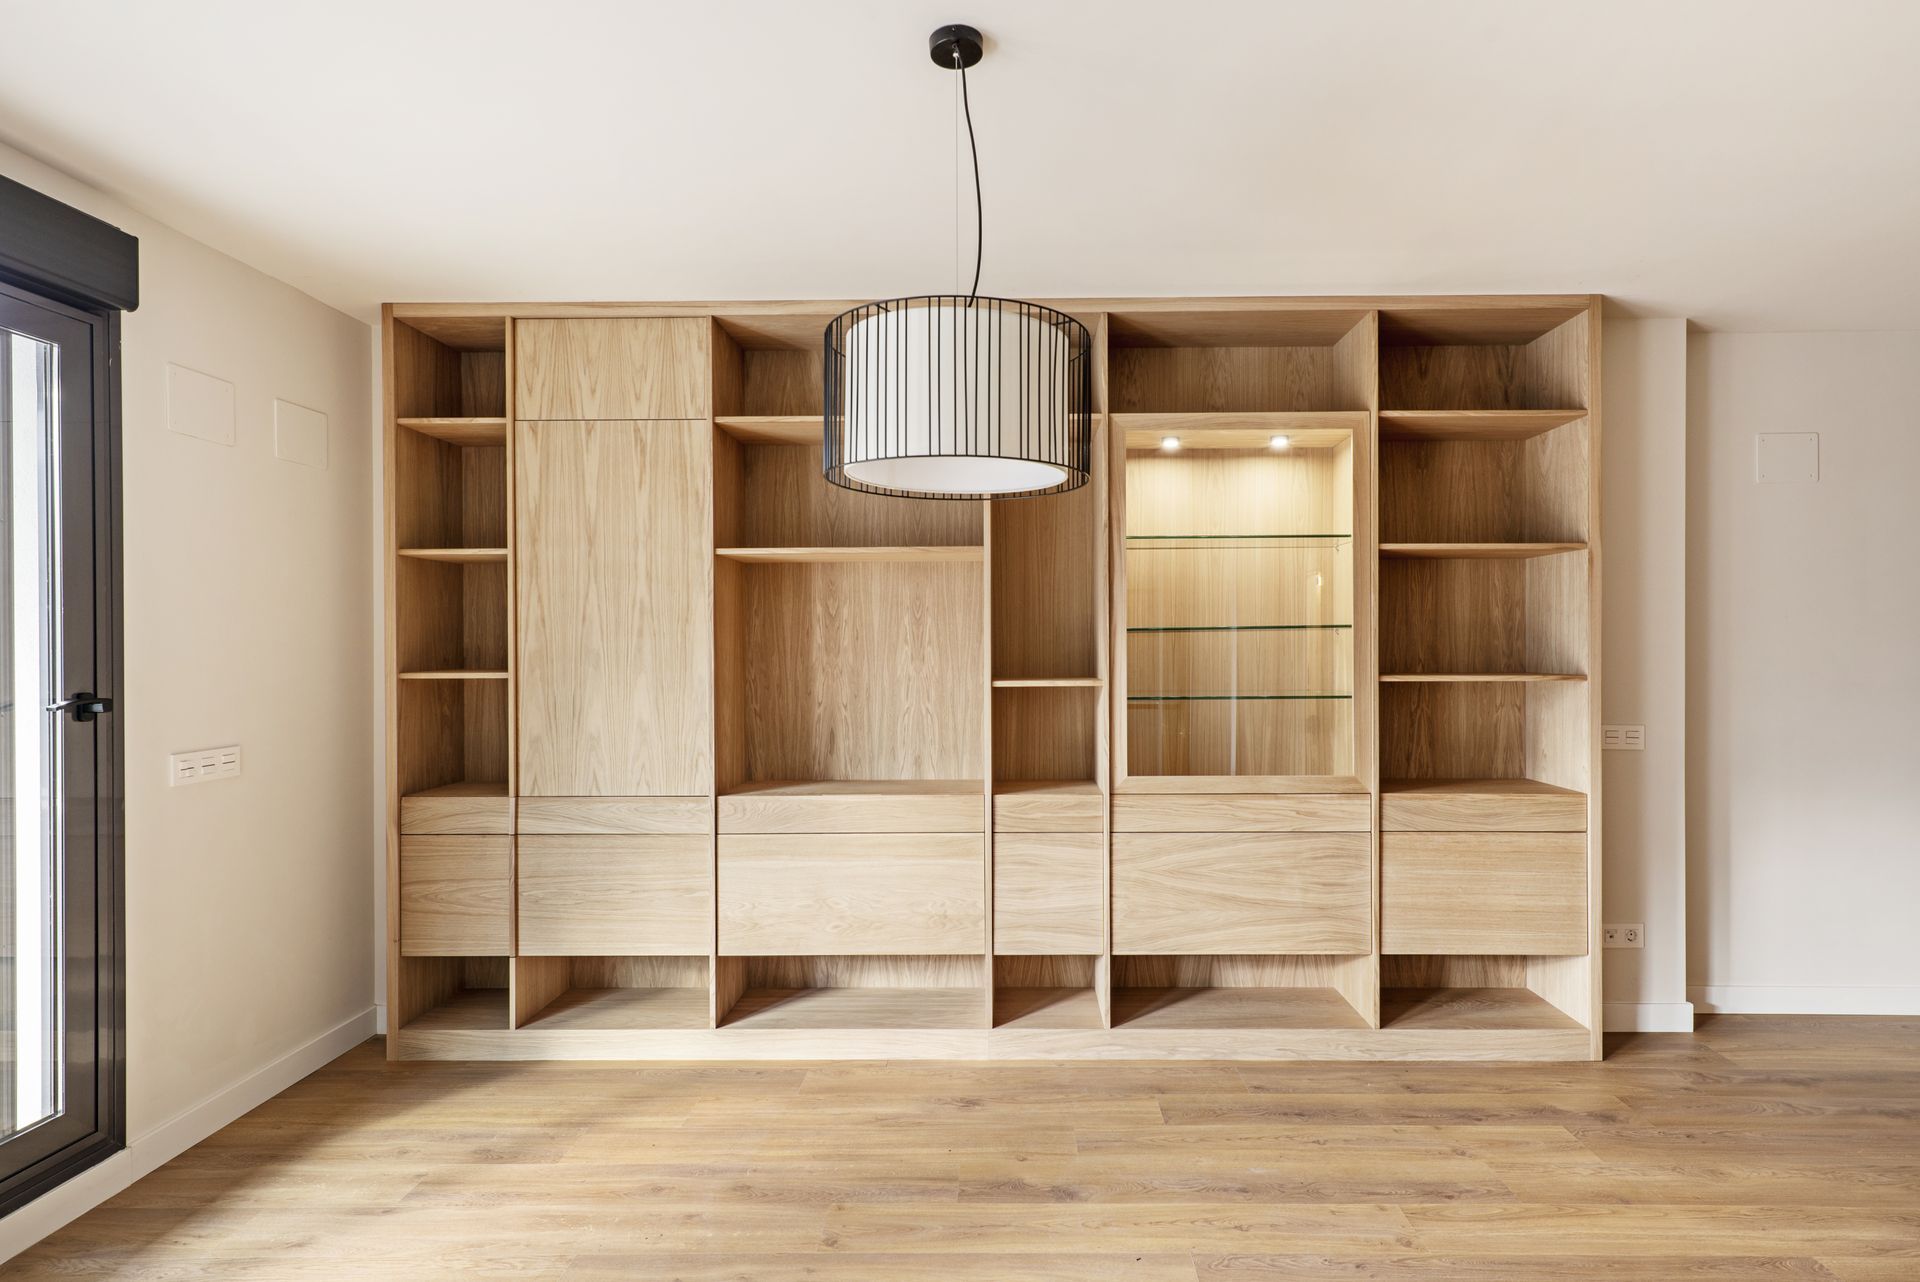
(452, 994)
(1051, 993)
(1246, 991)
(1483, 993)
(851, 993)
(585, 993)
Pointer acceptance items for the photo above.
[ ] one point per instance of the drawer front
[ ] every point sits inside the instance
(1191, 892)
(1442, 807)
(1047, 889)
(1049, 812)
(619, 896)
(1473, 893)
(562, 816)
(846, 893)
(455, 896)
(611, 368)
(778, 810)
(1241, 812)
(444, 813)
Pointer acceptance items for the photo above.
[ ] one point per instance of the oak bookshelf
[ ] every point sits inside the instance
(1275, 740)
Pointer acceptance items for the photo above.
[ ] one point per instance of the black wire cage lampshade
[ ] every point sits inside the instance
(955, 396)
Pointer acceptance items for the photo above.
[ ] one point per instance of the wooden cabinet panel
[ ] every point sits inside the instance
(1481, 805)
(583, 815)
(851, 893)
(1484, 893)
(615, 634)
(458, 808)
(1193, 892)
(614, 368)
(1047, 889)
(1045, 808)
(455, 896)
(620, 896)
(847, 807)
(1241, 812)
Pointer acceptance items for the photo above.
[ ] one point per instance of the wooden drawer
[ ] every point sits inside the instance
(838, 808)
(1241, 893)
(1242, 812)
(1047, 890)
(579, 815)
(1477, 805)
(1493, 892)
(455, 896)
(611, 368)
(1048, 808)
(845, 893)
(619, 896)
(466, 809)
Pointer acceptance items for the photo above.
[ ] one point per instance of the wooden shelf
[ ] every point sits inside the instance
(453, 676)
(857, 788)
(1202, 1008)
(459, 556)
(773, 429)
(1478, 551)
(460, 431)
(1047, 683)
(484, 789)
(1470, 1008)
(1458, 677)
(857, 1008)
(1438, 788)
(616, 1008)
(1047, 1008)
(1046, 788)
(1472, 425)
(821, 556)
(1251, 430)
(469, 1010)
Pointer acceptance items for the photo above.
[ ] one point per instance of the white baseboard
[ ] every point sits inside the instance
(1648, 1017)
(175, 1136)
(1804, 999)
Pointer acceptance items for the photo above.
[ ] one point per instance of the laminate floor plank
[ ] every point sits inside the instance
(1771, 1149)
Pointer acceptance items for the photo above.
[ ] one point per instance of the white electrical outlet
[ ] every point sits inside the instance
(1623, 738)
(203, 765)
(1633, 936)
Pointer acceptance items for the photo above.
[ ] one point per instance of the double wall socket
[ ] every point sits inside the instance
(1633, 936)
(203, 765)
(1623, 738)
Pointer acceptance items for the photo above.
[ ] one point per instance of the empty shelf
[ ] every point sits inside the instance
(823, 555)
(773, 429)
(625, 1008)
(1047, 683)
(1478, 551)
(1195, 1008)
(460, 431)
(453, 675)
(1483, 676)
(1046, 1008)
(1472, 425)
(1250, 430)
(857, 1008)
(1470, 1008)
(857, 788)
(462, 556)
(470, 1009)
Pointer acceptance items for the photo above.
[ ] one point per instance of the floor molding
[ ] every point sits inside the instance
(1804, 999)
(1648, 1017)
(176, 1135)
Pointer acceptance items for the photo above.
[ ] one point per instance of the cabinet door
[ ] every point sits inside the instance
(1484, 892)
(1047, 888)
(622, 896)
(455, 899)
(1192, 892)
(615, 631)
(611, 368)
(805, 894)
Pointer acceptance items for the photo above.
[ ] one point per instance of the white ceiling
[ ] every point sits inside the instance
(1751, 164)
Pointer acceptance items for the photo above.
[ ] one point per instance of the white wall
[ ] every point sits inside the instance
(248, 615)
(1643, 666)
(1803, 679)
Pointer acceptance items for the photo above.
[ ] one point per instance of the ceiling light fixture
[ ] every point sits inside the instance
(1278, 443)
(1169, 443)
(956, 396)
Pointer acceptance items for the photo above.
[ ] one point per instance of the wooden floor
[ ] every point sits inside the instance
(1760, 1148)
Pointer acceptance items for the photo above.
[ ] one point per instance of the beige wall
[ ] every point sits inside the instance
(1804, 690)
(249, 600)
(1643, 656)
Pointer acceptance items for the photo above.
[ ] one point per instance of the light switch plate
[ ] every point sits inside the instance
(1623, 738)
(202, 765)
(1786, 458)
(199, 405)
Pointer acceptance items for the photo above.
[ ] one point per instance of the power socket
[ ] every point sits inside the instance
(203, 765)
(1633, 936)
(1623, 738)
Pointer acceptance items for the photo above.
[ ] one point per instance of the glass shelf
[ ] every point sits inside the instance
(1233, 698)
(1249, 627)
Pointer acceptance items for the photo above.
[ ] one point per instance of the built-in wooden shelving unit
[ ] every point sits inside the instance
(1275, 740)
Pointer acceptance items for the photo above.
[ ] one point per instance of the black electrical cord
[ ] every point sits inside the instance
(979, 209)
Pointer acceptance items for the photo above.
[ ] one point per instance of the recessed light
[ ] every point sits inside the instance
(1169, 443)
(1278, 443)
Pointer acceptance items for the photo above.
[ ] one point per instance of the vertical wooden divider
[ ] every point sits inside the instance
(1361, 369)
(397, 1014)
(988, 957)
(1100, 461)
(726, 980)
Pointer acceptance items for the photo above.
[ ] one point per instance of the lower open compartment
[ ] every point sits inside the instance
(451, 994)
(1485, 993)
(930, 991)
(1243, 991)
(611, 993)
(1054, 993)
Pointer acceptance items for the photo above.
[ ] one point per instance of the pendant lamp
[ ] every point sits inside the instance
(958, 396)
